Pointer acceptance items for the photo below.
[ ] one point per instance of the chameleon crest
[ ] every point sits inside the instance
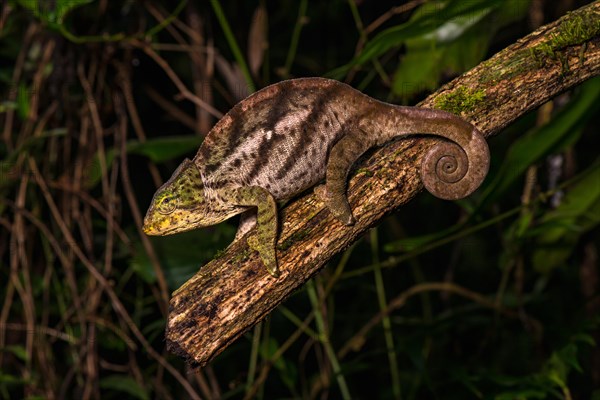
(290, 136)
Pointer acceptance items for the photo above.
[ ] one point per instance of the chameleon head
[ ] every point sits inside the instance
(179, 205)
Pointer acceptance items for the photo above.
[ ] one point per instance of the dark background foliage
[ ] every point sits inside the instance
(494, 297)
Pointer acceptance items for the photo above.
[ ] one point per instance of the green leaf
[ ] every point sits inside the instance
(568, 356)
(93, 172)
(511, 11)
(10, 379)
(165, 148)
(556, 369)
(158, 150)
(584, 338)
(16, 350)
(454, 46)
(63, 7)
(23, 103)
(52, 14)
(419, 70)
(183, 254)
(124, 384)
(559, 230)
(525, 394)
(288, 372)
(7, 105)
(154, 330)
(436, 18)
(268, 349)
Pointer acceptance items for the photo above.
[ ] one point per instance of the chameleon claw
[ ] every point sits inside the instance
(337, 205)
(347, 220)
(272, 270)
(267, 257)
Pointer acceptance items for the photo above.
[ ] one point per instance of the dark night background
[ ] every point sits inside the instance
(93, 120)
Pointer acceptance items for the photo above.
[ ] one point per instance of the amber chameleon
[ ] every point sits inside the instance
(290, 136)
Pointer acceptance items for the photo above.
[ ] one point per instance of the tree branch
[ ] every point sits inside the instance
(233, 292)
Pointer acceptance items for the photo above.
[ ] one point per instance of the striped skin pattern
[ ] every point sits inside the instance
(290, 136)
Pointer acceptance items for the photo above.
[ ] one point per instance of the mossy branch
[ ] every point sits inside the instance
(233, 292)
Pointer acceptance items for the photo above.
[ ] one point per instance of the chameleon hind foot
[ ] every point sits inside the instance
(336, 203)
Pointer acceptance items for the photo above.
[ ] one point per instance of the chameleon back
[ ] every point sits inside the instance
(279, 138)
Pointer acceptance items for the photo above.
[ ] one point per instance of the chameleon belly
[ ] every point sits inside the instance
(290, 136)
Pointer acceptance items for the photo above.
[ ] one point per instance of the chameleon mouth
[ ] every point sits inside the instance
(158, 228)
(149, 230)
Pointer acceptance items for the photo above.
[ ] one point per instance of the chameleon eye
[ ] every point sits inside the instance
(167, 205)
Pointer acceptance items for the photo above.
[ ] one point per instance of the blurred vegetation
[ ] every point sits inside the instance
(492, 297)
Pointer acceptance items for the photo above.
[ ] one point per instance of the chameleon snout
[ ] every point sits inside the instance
(148, 227)
(154, 227)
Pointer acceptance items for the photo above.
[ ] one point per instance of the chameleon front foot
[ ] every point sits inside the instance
(336, 203)
(267, 255)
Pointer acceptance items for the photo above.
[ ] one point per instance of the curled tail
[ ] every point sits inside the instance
(452, 170)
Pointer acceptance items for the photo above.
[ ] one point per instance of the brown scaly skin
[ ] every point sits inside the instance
(290, 136)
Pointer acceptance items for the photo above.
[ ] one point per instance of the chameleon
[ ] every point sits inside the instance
(289, 137)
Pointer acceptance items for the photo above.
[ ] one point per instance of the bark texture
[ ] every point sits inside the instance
(234, 292)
